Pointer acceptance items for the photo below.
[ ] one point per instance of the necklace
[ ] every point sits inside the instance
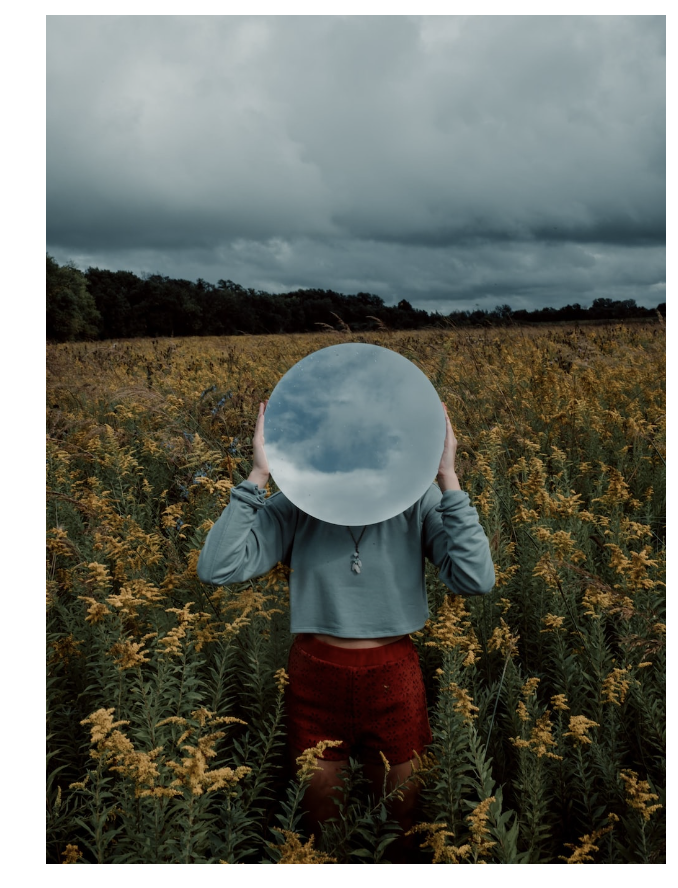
(356, 563)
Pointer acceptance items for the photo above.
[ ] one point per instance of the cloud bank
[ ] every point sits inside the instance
(450, 160)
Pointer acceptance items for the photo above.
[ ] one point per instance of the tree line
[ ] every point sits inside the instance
(103, 304)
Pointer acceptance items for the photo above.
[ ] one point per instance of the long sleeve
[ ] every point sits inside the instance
(250, 537)
(455, 541)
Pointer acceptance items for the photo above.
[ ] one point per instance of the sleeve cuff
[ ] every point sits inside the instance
(452, 501)
(248, 492)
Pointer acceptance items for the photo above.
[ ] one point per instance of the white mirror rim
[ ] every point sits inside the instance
(354, 434)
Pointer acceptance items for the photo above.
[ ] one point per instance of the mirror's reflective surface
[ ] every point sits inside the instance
(354, 434)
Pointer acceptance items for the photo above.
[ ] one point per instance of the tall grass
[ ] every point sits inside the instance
(166, 719)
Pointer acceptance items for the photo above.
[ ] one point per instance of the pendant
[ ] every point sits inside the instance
(356, 564)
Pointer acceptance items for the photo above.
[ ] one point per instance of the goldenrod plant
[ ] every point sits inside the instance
(165, 696)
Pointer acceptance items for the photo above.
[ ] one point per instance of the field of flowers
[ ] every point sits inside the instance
(165, 696)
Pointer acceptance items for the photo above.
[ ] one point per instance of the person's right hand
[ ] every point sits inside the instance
(447, 473)
(260, 471)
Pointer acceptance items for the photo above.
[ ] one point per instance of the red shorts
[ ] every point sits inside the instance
(372, 699)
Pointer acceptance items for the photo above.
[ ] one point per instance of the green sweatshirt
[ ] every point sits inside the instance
(388, 596)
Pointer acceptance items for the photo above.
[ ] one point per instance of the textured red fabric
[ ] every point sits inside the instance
(372, 699)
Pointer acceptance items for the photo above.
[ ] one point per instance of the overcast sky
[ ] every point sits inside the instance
(452, 161)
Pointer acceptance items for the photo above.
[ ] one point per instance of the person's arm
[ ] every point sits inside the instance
(453, 537)
(447, 472)
(253, 533)
(455, 541)
(260, 471)
(250, 537)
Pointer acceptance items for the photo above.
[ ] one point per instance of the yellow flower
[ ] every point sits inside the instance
(479, 831)
(578, 726)
(453, 629)
(172, 641)
(172, 514)
(617, 491)
(632, 530)
(282, 679)
(294, 852)
(436, 836)
(308, 760)
(172, 720)
(582, 854)
(618, 561)
(523, 714)
(140, 767)
(502, 640)
(640, 562)
(541, 739)
(250, 602)
(97, 610)
(559, 702)
(134, 594)
(51, 592)
(193, 773)
(607, 601)
(102, 724)
(464, 705)
(615, 687)
(192, 563)
(204, 631)
(564, 546)
(98, 575)
(552, 623)
(529, 689)
(638, 794)
(545, 569)
(279, 575)
(72, 854)
(58, 543)
(565, 506)
(79, 784)
(501, 578)
(129, 654)
(65, 649)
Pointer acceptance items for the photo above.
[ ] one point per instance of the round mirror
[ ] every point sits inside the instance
(354, 434)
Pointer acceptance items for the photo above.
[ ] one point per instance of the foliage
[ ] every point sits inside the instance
(547, 697)
(123, 305)
(71, 310)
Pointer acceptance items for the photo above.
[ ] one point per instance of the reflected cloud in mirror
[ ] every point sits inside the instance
(354, 434)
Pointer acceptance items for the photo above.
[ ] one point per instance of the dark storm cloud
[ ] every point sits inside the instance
(448, 160)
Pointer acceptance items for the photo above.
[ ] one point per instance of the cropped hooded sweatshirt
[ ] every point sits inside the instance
(387, 597)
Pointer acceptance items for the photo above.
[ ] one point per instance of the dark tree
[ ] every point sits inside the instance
(119, 304)
(115, 293)
(71, 310)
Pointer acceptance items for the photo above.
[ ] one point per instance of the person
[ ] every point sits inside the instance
(354, 673)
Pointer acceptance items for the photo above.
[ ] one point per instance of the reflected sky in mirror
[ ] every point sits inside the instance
(354, 434)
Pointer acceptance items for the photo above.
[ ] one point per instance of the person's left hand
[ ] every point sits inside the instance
(260, 471)
(447, 474)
